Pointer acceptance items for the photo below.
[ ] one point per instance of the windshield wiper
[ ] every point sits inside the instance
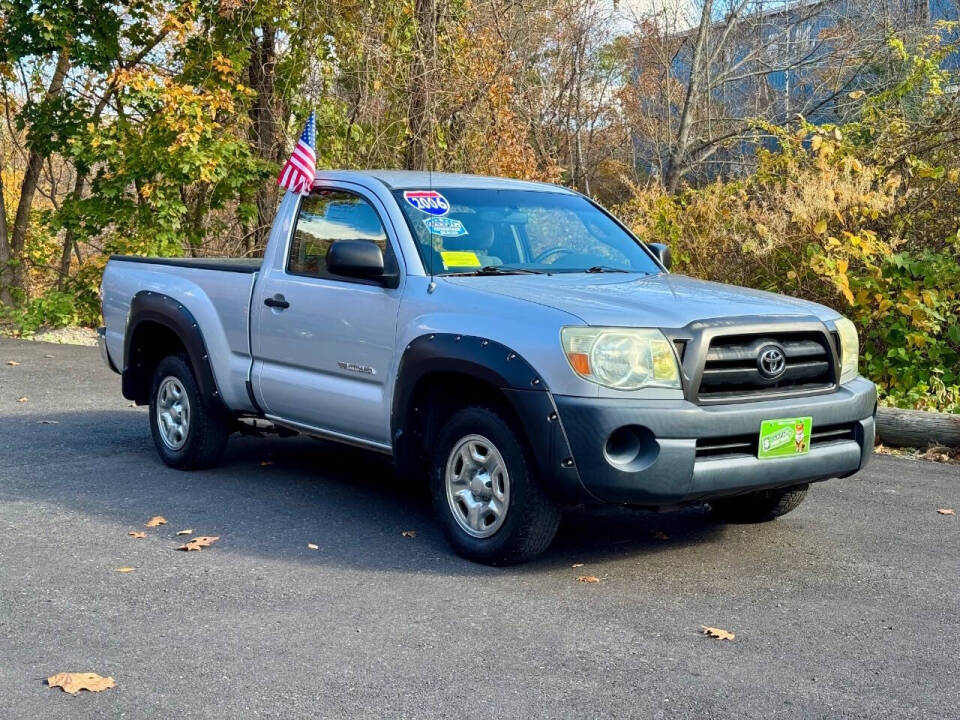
(605, 269)
(501, 270)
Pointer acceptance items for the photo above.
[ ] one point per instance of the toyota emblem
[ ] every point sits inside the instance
(771, 361)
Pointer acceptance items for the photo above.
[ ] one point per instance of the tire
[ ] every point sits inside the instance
(203, 436)
(760, 506)
(529, 517)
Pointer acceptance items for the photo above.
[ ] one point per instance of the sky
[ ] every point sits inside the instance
(681, 14)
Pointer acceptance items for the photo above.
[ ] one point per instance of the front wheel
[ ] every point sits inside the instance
(759, 506)
(486, 492)
(188, 434)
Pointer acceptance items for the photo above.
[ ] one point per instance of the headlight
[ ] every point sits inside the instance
(621, 358)
(849, 350)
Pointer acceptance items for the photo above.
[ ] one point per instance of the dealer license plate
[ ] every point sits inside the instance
(784, 438)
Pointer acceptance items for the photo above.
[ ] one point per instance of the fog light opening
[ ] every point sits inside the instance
(631, 448)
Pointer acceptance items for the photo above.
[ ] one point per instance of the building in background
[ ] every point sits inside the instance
(765, 60)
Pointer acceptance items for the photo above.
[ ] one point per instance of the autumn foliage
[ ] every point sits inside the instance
(863, 217)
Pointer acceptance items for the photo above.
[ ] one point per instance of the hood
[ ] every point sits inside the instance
(666, 301)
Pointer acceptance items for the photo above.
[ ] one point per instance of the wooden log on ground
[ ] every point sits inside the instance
(917, 428)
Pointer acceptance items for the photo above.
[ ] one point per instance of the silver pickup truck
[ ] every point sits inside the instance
(511, 341)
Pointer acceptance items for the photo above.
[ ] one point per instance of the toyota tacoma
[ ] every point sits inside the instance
(510, 341)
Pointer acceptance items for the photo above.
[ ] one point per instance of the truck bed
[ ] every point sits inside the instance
(238, 265)
(215, 291)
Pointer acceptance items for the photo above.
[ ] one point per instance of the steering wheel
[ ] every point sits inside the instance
(551, 252)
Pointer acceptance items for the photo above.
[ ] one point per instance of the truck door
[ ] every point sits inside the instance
(323, 344)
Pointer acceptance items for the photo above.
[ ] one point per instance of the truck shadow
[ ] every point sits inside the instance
(271, 497)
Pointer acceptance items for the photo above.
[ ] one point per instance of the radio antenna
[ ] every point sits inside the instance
(433, 251)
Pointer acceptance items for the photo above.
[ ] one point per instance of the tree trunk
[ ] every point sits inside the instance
(5, 295)
(80, 184)
(916, 428)
(70, 236)
(264, 121)
(580, 178)
(678, 156)
(31, 178)
(420, 115)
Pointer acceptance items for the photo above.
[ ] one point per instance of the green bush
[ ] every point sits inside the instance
(911, 340)
(84, 287)
(52, 309)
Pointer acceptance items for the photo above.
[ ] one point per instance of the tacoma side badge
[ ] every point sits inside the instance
(353, 367)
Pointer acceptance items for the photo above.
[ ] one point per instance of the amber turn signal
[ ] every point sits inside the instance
(580, 362)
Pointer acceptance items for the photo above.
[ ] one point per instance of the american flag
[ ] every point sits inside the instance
(297, 174)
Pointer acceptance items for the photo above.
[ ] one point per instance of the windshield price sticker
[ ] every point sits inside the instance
(445, 227)
(428, 201)
(459, 258)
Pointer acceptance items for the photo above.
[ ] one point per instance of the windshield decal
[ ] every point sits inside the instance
(428, 201)
(445, 227)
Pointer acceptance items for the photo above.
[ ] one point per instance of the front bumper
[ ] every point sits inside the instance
(676, 452)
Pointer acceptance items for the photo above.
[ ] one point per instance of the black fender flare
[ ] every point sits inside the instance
(154, 307)
(500, 366)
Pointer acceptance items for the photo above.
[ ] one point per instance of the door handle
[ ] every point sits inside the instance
(277, 301)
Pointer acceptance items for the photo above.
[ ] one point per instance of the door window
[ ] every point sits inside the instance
(326, 216)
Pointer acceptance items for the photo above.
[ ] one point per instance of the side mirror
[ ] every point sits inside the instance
(662, 253)
(358, 259)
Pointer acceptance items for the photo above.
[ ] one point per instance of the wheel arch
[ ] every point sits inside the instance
(440, 372)
(158, 326)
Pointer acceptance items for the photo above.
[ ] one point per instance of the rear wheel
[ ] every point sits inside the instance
(188, 434)
(759, 506)
(486, 492)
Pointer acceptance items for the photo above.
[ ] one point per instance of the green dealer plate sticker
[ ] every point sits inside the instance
(784, 438)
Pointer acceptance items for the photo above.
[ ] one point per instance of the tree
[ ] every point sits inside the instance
(743, 61)
(46, 48)
(11, 246)
(5, 251)
(421, 82)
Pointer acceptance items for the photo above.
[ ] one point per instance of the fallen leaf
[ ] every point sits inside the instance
(185, 532)
(588, 579)
(198, 543)
(75, 682)
(312, 546)
(125, 569)
(946, 511)
(717, 633)
(156, 521)
(48, 422)
(576, 565)
(137, 534)
(12, 363)
(660, 535)
(409, 533)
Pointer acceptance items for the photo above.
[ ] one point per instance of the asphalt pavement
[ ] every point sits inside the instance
(846, 608)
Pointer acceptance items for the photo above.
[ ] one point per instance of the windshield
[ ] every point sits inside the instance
(460, 230)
